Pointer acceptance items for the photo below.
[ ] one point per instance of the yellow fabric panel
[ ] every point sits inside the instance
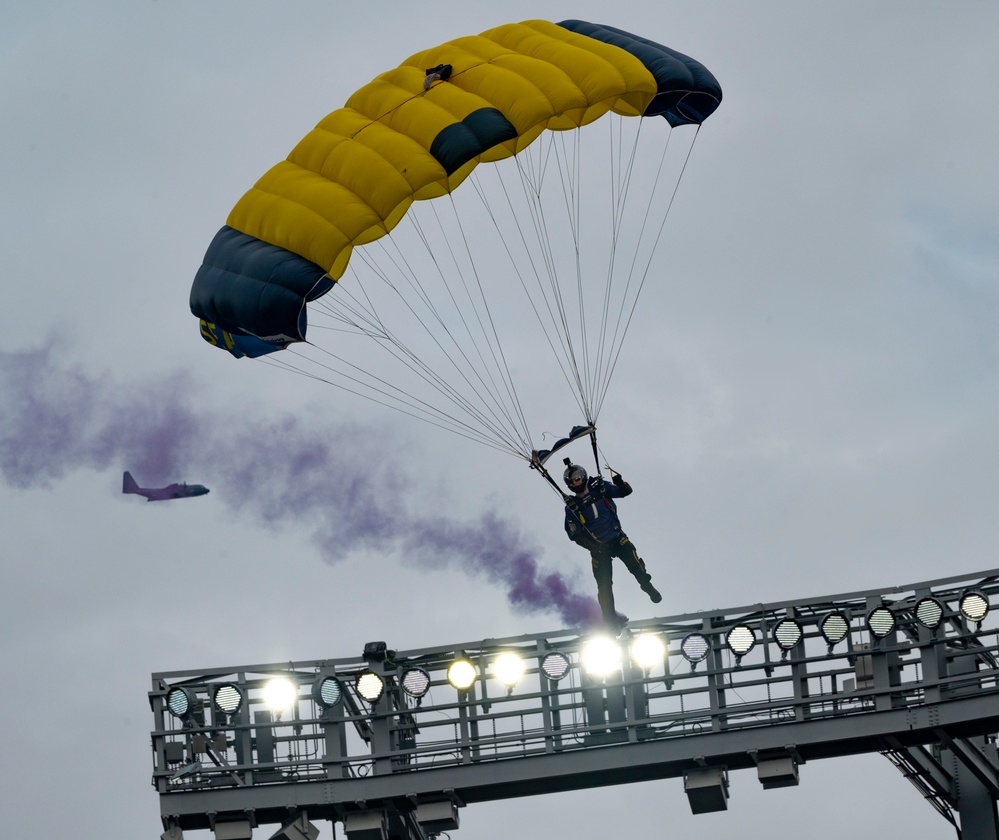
(550, 42)
(353, 177)
(408, 157)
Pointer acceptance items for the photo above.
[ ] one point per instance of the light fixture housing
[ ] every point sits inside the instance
(929, 612)
(881, 622)
(508, 668)
(601, 656)
(555, 665)
(648, 650)
(370, 686)
(227, 698)
(787, 634)
(181, 702)
(461, 673)
(416, 682)
(695, 647)
(740, 640)
(327, 691)
(280, 694)
(834, 628)
(974, 606)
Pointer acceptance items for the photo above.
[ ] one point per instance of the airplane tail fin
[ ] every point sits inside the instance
(128, 484)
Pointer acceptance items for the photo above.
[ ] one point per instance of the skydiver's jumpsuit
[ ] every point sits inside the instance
(592, 522)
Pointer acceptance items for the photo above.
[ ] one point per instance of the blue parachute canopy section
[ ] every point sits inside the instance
(542, 455)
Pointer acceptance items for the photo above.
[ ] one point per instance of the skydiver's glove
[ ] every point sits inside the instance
(620, 482)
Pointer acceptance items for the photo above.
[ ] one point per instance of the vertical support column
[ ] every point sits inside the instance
(975, 804)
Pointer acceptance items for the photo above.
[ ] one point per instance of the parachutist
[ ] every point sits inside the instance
(591, 521)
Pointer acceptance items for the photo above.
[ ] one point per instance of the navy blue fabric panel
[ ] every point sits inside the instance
(688, 92)
(250, 287)
(460, 142)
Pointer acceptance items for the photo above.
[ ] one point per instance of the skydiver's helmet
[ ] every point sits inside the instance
(574, 477)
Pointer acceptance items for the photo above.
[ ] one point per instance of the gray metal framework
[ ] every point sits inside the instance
(768, 686)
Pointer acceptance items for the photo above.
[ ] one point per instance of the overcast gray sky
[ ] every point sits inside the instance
(807, 402)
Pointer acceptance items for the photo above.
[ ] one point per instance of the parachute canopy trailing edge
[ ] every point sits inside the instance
(352, 178)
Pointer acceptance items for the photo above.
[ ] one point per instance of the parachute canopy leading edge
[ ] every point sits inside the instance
(416, 133)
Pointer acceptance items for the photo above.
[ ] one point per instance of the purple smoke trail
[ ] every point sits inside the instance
(55, 420)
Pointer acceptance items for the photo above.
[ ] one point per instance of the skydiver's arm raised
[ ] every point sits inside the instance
(624, 489)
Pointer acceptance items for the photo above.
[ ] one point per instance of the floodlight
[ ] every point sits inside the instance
(881, 622)
(181, 702)
(227, 698)
(555, 665)
(601, 656)
(929, 612)
(509, 668)
(740, 640)
(416, 682)
(695, 647)
(327, 691)
(370, 686)
(648, 650)
(974, 606)
(787, 634)
(834, 628)
(461, 673)
(280, 694)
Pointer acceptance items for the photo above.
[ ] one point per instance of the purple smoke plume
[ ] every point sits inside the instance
(55, 420)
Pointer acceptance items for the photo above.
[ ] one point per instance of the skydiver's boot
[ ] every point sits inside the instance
(650, 590)
(617, 624)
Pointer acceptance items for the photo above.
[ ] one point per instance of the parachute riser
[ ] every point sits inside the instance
(596, 457)
(537, 465)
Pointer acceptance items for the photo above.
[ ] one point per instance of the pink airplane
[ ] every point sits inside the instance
(161, 494)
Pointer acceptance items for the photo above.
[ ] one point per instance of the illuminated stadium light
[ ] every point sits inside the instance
(740, 640)
(695, 647)
(509, 668)
(461, 673)
(834, 628)
(327, 691)
(601, 656)
(227, 698)
(555, 665)
(370, 686)
(929, 612)
(880, 622)
(648, 650)
(416, 682)
(787, 634)
(181, 702)
(280, 694)
(974, 606)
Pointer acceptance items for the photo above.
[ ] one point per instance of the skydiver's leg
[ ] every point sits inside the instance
(625, 549)
(603, 573)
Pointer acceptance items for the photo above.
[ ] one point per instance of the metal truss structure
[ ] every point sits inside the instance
(387, 745)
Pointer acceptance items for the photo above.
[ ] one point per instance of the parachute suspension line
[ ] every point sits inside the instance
(492, 336)
(497, 410)
(428, 415)
(532, 183)
(369, 324)
(483, 197)
(533, 192)
(620, 171)
(652, 251)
